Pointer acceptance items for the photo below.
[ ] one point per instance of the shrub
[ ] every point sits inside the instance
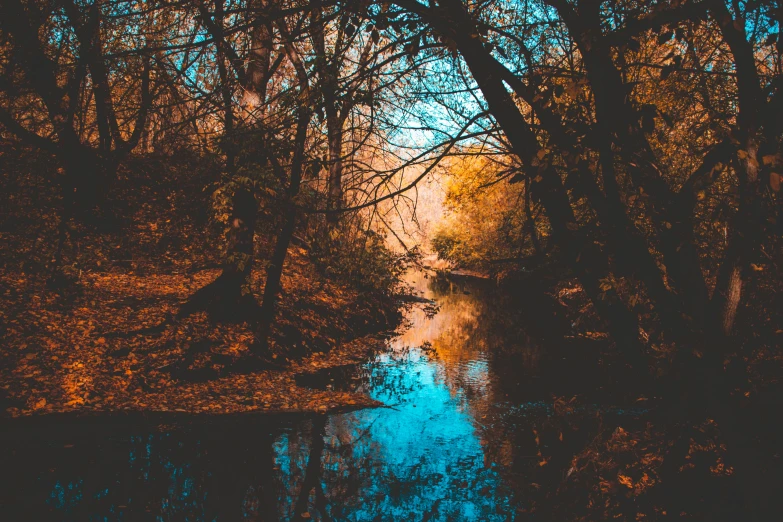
(360, 258)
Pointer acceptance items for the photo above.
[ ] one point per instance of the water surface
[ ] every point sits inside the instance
(461, 439)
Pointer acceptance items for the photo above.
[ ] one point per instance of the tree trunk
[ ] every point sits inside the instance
(259, 61)
(239, 258)
(619, 121)
(731, 300)
(336, 111)
(335, 189)
(748, 223)
(228, 297)
(272, 286)
(744, 239)
(275, 269)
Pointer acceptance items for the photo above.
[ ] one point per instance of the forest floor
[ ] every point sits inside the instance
(110, 340)
(111, 346)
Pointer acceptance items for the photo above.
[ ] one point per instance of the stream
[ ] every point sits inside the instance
(462, 438)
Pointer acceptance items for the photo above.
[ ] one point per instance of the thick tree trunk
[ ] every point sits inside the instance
(731, 299)
(619, 120)
(632, 255)
(748, 223)
(228, 297)
(744, 239)
(530, 223)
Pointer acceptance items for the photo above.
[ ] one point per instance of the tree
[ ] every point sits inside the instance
(56, 73)
(573, 101)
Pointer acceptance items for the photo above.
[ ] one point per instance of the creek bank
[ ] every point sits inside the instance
(472, 416)
(110, 340)
(474, 274)
(109, 348)
(444, 268)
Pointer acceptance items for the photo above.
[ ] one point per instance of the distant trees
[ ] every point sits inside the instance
(490, 223)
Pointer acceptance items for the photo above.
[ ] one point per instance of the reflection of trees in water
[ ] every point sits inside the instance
(391, 387)
(312, 485)
(486, 358)
(418, 460)
(363, 485)
(484, 351)
(338, 468)
(432, 455)
(420, 457)
(518, 433)
(178, 475)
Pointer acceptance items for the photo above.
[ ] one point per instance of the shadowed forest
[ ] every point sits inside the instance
(403, 260)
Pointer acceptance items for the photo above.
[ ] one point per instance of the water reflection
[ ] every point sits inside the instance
(453, 443)
(423, 457)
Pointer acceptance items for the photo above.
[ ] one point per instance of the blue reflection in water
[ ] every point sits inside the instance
(437, 452)
(65, 496)
(425, 458)
(421, 458)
